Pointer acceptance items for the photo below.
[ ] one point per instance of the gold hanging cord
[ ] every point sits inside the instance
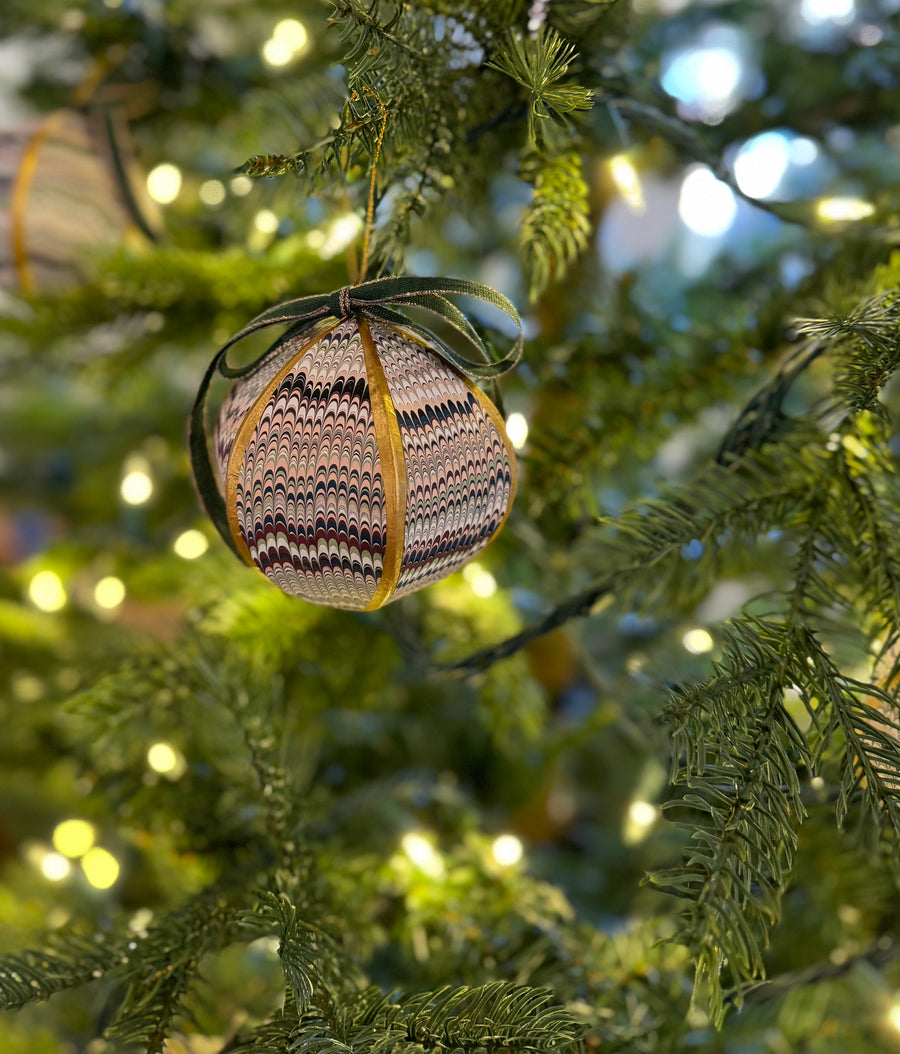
(370, 208)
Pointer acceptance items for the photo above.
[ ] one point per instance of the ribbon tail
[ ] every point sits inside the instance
(204, 476)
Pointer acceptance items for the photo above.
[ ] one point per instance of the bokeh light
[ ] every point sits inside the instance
(289, 40)
(711, 74)
(517, 429)
(628, 183)
(706, 205)
(340, 234)
(241, 186)
(639, 818)
(164, 183)
(697, 641)
(422, 853)
(265, 221)
(100, 868)
(507, 850)
(136, 487)
(74, 837)
(55, 867)
(165, 759)
(212, 192)
(480, 580)
(46, 591)
(844, 210)
(190, 544)
(821, 12)
(109, 592)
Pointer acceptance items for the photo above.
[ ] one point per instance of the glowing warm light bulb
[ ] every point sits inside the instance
(640, 817)
(838, 210)
(136, 487)
(289, 38)
(697, 641)
(517, 429)
(164, 183)
(47, 592)
(190, 544)
(507, 850)
(100, 868)
(292, 33)
(212, 192)
(423, 854)
(165, 759)
(73, 838)
(109, 592)
(894, 1016)
(55, 867)
(481, 581)
(340, 234)
(266, 221)
(628, 182)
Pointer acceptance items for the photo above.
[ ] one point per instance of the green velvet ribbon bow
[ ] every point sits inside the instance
(379, 301)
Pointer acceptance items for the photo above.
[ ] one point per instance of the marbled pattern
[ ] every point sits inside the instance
(310, 499)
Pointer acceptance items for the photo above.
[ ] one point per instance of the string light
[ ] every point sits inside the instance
(136, 487)
(109, 592)
(841, 210)
(166, 760)
(55, 867)
(641, 816)
(628, 183)
(697, 641)
(265, 221)
(706, 205)
(480, 581)
(73, 838)
(507, 850)
(289, 39)
(47, 592)
(100, 868)
(164, 183)
(190, 544)
(517, 429)
(241, 186)
(340, 234)
(212, 192)
(423, 854)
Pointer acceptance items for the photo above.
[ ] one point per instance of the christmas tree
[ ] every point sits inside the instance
(629, 780)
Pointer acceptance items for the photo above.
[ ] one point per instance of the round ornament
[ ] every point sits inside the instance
(356, 461)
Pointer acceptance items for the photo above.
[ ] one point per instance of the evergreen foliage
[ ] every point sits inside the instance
(317, 869)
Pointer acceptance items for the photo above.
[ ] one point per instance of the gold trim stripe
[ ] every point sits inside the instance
(494, 414)
(245, 434)
(393, 470)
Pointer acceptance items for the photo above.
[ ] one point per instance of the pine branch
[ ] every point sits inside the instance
(866, 344)
(159, 973)
(555, 226)
(494, 1018)
(744, 500)
(539, 63)
(735, 751)
(68, 960)
(309, 957)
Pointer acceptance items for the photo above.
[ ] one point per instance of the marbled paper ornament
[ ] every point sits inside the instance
(356, 461)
